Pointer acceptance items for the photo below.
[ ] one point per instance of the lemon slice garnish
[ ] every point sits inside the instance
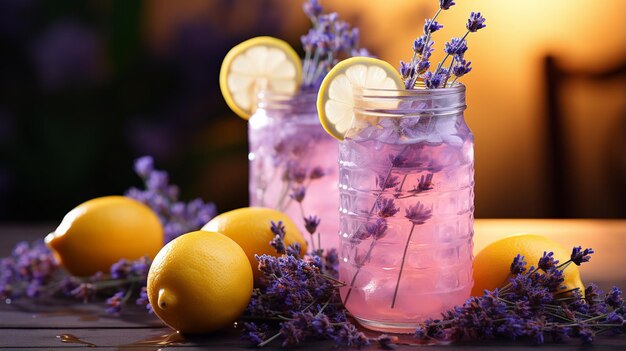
(258, 64)
(335, 100)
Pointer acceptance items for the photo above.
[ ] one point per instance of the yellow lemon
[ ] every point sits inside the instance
(101, 231)
(492, 264)
(250, 228)
(336, 97)
(258, 64)
(199, 282)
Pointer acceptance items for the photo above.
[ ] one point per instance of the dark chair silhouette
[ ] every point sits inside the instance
(556, 77)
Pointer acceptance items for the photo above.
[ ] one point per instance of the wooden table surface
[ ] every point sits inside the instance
(28, 324)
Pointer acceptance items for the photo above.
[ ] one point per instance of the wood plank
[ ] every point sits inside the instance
(67, 313)
(144, 339)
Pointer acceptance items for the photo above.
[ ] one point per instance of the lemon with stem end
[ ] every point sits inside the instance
(255, 65)
(335, 99)
(199, 282)
(101, 231)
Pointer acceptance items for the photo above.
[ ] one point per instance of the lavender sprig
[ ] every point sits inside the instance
(326, 42)
(302, 294)
(422, 49)
(177, 217)
(533, 305)
(417, 215)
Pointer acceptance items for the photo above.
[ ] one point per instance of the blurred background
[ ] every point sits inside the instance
(88, 86)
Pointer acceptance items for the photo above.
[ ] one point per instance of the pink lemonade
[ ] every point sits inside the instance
(406, 185)
(293, 165)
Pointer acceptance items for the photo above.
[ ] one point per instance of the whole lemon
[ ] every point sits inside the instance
(493, 263)
(101, 231)
(250, 228)
(199, 282)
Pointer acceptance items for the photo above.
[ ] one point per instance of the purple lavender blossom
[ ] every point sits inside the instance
(329, 39)
(519, 265)
(475, 22)
(144, 166)
(446, 4)
(376, 230)
(116, 302)
(312, 9)
(547, 261)
(298, 193)
(386, 182)
(84, 291)
(176, 217)
(461, 67)
(143, 300)
(614, 298)
(432, 26)
(386, 207)
(456, 47)
(311, 223)
(278, 229)
(579, 255)
(422, 47)
(422, 66)
(406, 69)
(418, 214)
(435, 80)
(294, 250)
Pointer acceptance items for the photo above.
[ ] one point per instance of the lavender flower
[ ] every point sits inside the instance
(387, 182)
(579, 255)
(423, 46)
(434, 80)
(547, 261)
(475, 22)
(312, 9)
(445, 4)
(378, 229)
(311, 223)
(116, 302)
(406, 69)
(28, 271)
(298, 193)
(461, 67)
(386, 208)
(519, 265)
(418, 214)
(614, 298)
(432, 26)
(456, 47)
(176, 217)
(143, 300)
(329, 39)
(278, 229)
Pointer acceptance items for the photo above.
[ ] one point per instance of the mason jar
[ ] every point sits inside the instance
(406, 179)
(293, 165)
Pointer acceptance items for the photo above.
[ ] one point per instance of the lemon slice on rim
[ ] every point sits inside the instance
(258, 64)
(335, 100)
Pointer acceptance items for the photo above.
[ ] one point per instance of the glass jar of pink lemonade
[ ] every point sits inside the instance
(406, 184)
(293, 165)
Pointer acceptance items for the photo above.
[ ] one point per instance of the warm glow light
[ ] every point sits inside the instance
(505, 89)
